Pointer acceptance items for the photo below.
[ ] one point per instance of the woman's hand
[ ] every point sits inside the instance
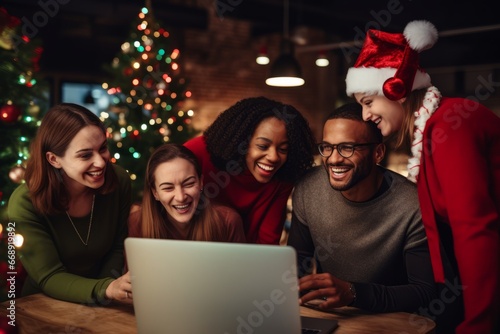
(120, 289)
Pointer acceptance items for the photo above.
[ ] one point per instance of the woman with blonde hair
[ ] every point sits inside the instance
(455, 144)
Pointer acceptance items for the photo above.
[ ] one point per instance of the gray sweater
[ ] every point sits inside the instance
(380, 245)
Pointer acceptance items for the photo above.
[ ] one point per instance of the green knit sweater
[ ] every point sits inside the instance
(56, 260)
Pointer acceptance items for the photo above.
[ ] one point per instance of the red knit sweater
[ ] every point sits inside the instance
(459, 185)
(262, 206)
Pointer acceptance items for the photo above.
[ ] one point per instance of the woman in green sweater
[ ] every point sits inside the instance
(72, 211)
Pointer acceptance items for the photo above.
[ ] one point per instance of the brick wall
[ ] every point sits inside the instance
(219, 63)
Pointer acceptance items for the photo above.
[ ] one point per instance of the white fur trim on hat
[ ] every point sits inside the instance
(370, 80)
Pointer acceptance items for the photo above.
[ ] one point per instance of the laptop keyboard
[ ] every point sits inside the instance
(310, 331)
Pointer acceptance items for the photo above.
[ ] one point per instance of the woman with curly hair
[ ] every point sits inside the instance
(251, 157)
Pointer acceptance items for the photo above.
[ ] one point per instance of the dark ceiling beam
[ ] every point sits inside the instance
(115, 11)
(79, 36)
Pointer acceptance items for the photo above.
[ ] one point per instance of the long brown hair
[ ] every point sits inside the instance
(413, 102)
(206, 224)
(59, 126)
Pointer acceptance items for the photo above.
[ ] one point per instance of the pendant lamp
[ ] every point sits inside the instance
(285, 72)
(262, 58)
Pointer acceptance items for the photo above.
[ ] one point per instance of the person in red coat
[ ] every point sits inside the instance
(455, 144)
(251, 156)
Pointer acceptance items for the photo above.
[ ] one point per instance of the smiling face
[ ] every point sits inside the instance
(354, 176)
(178, 188)
(267, 150)
(84, 161)
(387, 114)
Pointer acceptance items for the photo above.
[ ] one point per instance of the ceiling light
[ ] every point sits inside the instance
(262, 58)
(285, 72)
(322, 61)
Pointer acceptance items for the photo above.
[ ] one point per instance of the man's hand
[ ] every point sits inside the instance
(333, 291)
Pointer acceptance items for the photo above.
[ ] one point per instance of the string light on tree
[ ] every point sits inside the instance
(10, 113)
(22, 99)
(149, 90)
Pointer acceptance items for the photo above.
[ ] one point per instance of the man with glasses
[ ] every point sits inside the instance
(356, 226)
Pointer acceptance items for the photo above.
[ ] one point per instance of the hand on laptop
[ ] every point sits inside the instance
(326, 290)
(120, 289)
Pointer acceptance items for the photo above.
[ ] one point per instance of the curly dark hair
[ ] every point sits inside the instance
(228, 137)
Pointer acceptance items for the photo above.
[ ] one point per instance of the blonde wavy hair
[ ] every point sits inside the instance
(413, 102)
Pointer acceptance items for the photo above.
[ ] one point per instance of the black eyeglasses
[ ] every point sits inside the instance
(345, 150)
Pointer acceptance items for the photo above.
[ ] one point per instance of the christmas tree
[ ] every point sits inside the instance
(22, 101)
(149, 93)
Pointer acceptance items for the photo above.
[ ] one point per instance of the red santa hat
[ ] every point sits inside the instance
(388, 63)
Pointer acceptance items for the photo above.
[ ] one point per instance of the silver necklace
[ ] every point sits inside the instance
(90, 224)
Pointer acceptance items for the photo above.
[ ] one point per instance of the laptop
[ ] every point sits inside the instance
(217, 288)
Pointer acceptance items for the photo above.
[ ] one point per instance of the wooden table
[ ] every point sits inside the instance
(41, 314)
